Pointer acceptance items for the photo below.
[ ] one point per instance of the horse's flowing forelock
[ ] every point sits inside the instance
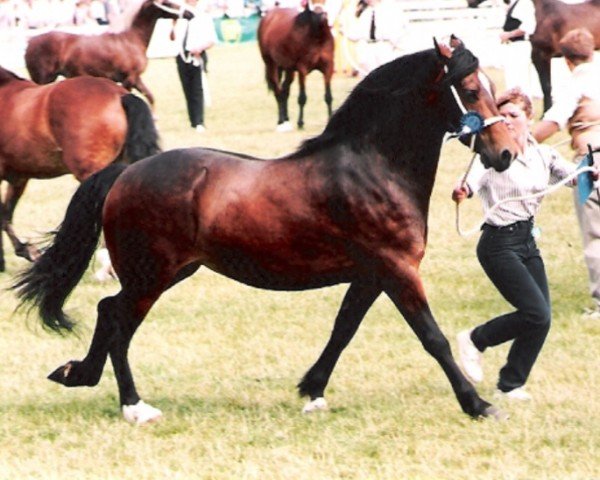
(314, 21)
(462, 63)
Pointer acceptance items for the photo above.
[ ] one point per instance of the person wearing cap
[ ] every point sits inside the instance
(577, 108)
(508, 253)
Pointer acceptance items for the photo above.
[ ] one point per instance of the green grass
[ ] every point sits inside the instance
(222, 359)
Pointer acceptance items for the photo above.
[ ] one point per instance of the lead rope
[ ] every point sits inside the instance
(548, 190)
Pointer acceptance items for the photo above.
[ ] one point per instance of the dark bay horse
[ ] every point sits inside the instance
(349, 206)
(554, 19)
(77, 126)
(118, 56)
(292, 41)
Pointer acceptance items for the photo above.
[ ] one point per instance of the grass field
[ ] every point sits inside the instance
(222, 360)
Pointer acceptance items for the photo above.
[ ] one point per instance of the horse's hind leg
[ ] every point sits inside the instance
(328, 95)
(132, 312)
(542, 63)
(282, 95)
(356, 303)
(301, 97)
(409, 299)
(13, 194)
(144, 90)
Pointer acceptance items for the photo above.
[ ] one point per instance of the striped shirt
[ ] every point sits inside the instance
(534, 171)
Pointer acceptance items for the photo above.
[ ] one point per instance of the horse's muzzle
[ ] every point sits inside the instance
(499, 163)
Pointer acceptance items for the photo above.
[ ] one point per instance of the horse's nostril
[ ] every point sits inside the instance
(506, 156)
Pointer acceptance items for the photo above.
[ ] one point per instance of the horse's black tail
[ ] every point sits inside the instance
(142, 137)
(49, 281)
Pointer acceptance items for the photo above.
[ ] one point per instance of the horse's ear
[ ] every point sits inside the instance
(456, 42)
(443, 50)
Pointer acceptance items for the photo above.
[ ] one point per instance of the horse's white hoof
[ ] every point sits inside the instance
(141, 413)
(284, 127)
(315, 405)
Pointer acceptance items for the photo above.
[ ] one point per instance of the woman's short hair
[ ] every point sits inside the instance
(518, 97)
(577, 45)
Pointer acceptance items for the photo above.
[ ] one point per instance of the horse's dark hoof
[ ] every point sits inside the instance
(495, 413)
(71, 375)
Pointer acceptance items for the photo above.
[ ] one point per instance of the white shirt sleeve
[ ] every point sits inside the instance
(525, 11)
(565, 104)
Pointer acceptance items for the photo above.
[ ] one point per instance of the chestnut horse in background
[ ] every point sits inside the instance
(554, 19)
(349, 206)
(78, 126)
(118, 56)
(292, 41)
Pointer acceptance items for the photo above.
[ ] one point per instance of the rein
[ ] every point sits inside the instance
(548, 190)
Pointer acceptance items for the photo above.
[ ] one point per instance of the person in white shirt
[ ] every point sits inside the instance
(508, 252)
(377, 30)
(518, 26)
(198, 36)
(577, 108)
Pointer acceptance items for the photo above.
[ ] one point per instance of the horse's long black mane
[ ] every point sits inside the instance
(408, 94)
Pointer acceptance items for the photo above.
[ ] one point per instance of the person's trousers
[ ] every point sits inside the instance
(588, 216)
(510, 258)
(190, 76)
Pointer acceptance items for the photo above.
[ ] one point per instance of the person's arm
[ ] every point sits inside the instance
(544, 129)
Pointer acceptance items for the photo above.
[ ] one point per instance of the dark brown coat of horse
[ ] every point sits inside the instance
(349, 206)
(118, 56)
(554, 19)
(78, 126)
(292, 41)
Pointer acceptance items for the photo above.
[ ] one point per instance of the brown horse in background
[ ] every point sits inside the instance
(118, 56)
(554, 19)
(78, 126)
(292, 42)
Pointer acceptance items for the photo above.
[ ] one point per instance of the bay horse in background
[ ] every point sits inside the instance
(292, 41)
(554, 19)
(349, 206)
(78, 126)
(119, 56)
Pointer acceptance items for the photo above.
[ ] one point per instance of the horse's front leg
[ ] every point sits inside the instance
(13, 194)
(301, 97)
(542, 63)
(408, 296)
(359, 298)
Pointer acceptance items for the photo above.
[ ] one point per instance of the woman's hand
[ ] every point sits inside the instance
(460, 193)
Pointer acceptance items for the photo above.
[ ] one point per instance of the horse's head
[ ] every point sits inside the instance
(172, 9)
(473, 96)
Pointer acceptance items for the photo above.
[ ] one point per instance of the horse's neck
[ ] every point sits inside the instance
(7, 77)
(143, 26)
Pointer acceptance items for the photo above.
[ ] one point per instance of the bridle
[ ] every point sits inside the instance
(471, 122)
